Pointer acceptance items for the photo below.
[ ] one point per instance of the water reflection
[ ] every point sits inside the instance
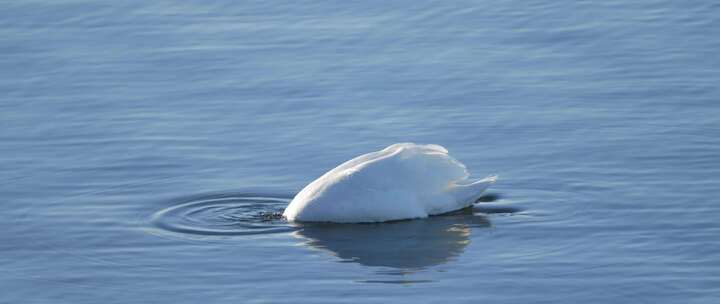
(405, 245)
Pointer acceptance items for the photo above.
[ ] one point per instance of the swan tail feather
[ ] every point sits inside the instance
(471, 192)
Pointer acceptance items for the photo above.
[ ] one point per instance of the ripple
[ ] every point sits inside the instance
(241, 214)
(223, 215)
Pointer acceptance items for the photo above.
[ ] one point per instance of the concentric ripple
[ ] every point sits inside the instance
(224, 215)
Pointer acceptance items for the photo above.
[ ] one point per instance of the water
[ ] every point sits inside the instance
(147, 146)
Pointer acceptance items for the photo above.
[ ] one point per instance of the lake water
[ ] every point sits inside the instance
(146, 145)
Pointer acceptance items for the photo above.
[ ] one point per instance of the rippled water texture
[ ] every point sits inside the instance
(223, 215)
(147, 148)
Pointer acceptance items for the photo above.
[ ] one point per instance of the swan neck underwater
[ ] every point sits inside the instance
(402, 181)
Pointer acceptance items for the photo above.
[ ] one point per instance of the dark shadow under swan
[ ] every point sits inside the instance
(405, 245)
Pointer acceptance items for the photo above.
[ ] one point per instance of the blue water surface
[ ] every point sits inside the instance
(146, 148)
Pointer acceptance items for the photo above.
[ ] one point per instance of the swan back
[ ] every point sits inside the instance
(402, 181)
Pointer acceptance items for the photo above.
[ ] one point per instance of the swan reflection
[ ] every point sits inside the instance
(407, 245)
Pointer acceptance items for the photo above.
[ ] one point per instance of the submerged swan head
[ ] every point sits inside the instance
(402, 181)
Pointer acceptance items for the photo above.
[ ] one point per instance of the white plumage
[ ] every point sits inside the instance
(402, 181)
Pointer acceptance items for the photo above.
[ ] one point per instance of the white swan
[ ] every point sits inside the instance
(402, 181)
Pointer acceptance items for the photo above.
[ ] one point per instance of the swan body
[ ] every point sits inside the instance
(402, 181)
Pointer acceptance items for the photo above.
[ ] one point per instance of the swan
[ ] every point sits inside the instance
(402, 181)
